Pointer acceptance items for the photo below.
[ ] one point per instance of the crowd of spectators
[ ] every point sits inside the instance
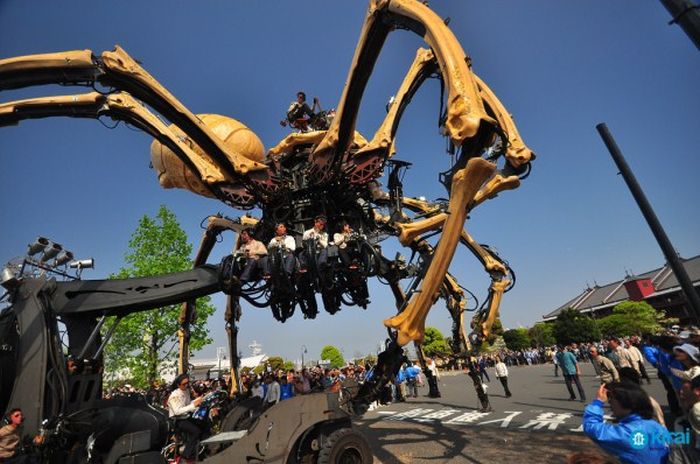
(640, 433)
(273, 386)
(619, 363)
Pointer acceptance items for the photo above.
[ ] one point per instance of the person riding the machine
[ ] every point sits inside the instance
(318, 234)
(341, 239)
(299, 114)
(255, 255)
(287, 245)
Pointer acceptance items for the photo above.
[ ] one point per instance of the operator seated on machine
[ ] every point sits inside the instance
(348, 255)
(287, 245)
(255, 256)
(299, 114)
(180, 408)
(11, 441)
(318, 234)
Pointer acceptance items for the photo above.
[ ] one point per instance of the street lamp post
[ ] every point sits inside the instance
(303, 352)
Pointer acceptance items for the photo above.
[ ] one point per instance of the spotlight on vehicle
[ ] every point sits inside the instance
(51, 251)
(8, 279)
(83, 264)
(39, 244)
(63, 257)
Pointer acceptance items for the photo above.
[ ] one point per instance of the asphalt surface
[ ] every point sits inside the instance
(538, 424)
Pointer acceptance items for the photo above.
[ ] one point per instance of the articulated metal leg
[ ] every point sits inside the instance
(232, 316)
(188, 312)
(410, 324)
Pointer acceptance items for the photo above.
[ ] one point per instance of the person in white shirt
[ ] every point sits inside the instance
(502, 375)
(433, 368)
(320, 236)
(255, 254)
(257, 390)
(341, 240)
(273, 391)
(287, 244)
(180, 407)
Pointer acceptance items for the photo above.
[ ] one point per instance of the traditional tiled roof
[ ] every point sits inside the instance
(607, 296)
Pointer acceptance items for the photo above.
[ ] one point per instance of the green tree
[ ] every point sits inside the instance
(573, 327)
(145, 343)
(276, 363)
(631, 318)
(542, 334)
(288, 365)
(333, 354)
(517, 339)
(434, 343)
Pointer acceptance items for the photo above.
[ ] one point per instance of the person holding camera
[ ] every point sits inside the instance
(180, 408)
(632, 439)
(341, 240)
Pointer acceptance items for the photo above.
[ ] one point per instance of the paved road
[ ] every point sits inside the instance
(538, 424)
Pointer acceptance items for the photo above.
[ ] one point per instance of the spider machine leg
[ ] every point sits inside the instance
(466, 122)
(188, 313)
(410, 324)
(225, 173)
(454, 297)
(473, 120)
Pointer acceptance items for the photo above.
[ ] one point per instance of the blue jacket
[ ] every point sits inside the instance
(286, 391)
(633, 440)
(664, 362)
(651, 353)
(412, 372)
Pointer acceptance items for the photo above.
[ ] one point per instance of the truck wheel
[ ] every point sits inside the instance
(345, 446)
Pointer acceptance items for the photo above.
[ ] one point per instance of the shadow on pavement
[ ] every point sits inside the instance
(415, 442)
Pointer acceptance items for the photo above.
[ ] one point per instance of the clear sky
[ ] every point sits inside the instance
(559, 67)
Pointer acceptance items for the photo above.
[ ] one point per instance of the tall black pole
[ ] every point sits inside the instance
(686, 14)
(658, 231)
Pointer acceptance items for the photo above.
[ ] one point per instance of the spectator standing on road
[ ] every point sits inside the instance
(257, 390)
(689, 356)
(619, 355)
(502, 375)
(286, 389)
(412, 374)
(639, 358)
(482, 369)
(608, 372)
(690, 402)
(630, 439)
(432, 376)
(571, 371)
(659, 352)
(555, 361)
(272, 396)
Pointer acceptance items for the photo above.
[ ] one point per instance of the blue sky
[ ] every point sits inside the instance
(559, 67)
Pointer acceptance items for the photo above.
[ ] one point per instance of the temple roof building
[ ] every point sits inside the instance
(658, 287)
